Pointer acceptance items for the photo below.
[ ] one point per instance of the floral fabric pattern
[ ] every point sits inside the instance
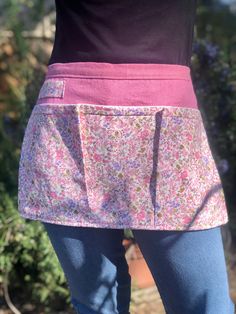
(52, 88)
(143, 167)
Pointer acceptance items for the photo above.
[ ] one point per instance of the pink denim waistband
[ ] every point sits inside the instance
(118, 84)
(119, 70)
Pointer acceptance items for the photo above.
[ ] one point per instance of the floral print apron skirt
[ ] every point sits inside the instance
(119, 146)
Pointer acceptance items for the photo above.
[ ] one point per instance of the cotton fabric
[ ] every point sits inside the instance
(124, 31)
(141, 163)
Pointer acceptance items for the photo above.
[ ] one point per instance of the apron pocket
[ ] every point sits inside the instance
(147, 164)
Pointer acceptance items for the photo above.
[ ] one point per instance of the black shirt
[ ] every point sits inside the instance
(124, 31)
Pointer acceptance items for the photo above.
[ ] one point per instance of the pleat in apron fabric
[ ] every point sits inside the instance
(119, 146)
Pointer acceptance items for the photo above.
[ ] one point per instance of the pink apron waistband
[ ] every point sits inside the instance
(119, 70)
(118, 84)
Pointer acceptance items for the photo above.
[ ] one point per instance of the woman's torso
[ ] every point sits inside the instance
(124, 31)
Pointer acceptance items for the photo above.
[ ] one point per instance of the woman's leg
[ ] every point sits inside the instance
(93, 260)
(189, 270)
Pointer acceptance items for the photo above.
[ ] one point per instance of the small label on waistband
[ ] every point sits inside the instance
(52, 88)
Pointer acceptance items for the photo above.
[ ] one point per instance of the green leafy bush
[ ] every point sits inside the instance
(28, 263)
(29, 269)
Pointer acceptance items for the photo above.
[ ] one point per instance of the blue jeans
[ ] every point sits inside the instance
(188, 267)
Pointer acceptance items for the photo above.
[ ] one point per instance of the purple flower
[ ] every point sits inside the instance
(223, 166)
(212, 50)
(116, 165)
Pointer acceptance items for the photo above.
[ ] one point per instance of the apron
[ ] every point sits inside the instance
(119, 146)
